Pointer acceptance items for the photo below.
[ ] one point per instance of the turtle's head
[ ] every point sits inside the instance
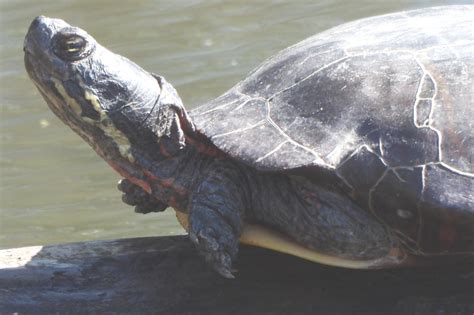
(108, 100)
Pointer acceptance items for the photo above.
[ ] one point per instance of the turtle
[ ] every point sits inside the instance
(352, 148)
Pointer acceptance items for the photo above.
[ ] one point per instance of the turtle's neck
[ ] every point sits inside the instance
(170, 179)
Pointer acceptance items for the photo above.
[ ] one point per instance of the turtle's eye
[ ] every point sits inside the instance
(71, 46)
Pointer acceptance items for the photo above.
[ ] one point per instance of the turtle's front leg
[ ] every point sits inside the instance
(216, 219)
(134, 195)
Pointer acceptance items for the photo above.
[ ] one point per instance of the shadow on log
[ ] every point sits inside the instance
(164, 275)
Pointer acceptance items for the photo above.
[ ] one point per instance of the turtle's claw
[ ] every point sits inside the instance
(224, 268)
(134, 195)
(217, 253)
(129, 199)
(226, 273)
(124, 185)
(154, 206)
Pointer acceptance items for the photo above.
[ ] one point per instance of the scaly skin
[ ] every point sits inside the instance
(220, 195)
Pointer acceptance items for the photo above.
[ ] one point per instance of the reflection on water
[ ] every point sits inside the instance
(53, 188)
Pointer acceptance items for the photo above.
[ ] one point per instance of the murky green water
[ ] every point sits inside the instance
(53, 188)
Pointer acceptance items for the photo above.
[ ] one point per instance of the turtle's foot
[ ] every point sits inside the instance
(215, 240)
(134, 195)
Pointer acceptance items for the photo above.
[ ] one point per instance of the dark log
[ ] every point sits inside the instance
(164, 275)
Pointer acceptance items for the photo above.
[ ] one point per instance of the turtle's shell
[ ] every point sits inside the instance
(384, 104)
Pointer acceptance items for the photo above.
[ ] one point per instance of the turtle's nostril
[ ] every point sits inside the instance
(37, 22)
(32, 30)
(38, 32)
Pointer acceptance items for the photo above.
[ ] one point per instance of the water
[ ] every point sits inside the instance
(53, 188)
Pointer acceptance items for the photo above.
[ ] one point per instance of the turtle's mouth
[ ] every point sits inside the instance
(98, 134)
(117, 153)
(34, 69)
(44, 84)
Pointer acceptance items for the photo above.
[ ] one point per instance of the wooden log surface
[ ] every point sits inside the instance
(164, 275)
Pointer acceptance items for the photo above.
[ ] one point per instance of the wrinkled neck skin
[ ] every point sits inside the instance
(163, 154)
(160, 153)
(171, 179)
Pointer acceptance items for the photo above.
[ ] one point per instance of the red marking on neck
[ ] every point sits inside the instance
(150, 175)
(167, 183)
(204, 146)
(163, 151)
(139, 182)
